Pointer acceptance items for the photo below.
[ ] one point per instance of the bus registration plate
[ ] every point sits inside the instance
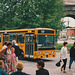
(46, 53)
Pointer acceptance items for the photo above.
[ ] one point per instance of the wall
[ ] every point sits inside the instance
(71, 33)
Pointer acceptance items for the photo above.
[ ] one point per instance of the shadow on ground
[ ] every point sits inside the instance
(35, 60)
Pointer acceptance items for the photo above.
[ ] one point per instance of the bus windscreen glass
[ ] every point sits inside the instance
(46, 40)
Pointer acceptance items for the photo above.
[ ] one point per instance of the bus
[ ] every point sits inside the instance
(34, 43)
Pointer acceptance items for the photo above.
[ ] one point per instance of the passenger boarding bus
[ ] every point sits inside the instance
(34, 43)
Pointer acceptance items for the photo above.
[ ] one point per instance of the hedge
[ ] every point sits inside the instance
(59, 46)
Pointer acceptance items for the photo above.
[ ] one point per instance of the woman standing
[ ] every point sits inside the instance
(7, 55)
(63, 56)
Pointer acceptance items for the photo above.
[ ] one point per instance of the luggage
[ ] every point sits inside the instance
(58, 64)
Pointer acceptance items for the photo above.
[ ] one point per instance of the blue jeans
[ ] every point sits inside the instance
(71, 61)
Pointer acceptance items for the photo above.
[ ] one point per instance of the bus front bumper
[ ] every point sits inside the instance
(44, 54)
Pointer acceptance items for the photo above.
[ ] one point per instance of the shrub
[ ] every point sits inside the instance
(59, 46)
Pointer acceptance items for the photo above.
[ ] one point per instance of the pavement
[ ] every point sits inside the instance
(30, 66)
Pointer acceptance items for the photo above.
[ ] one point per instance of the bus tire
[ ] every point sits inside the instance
(21, 55)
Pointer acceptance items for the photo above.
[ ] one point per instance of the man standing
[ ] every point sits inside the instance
(63, 56)
(41, 71)
(19, 52)
(72, 55)
(17, 49)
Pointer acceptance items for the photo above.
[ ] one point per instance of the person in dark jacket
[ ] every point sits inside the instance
(16, 47)
(19, 67)
(72, 55)
(41, 70)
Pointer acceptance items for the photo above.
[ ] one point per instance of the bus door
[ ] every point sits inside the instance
(29, 45)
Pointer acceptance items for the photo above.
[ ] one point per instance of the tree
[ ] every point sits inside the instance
(51, 13)
(18, 14)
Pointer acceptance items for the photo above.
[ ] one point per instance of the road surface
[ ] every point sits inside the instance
(30, 66)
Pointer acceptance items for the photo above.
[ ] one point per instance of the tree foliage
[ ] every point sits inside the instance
(18, 14)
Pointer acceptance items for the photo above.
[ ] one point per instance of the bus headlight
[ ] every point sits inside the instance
(53, 51)
(40, 52)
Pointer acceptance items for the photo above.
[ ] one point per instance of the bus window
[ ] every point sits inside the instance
(5, 37)
(20, 38)
(12, 37)
(27, 37)
(0, 37)
(46, 40)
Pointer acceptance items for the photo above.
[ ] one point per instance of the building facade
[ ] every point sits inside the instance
(63, 34)
(71, 33)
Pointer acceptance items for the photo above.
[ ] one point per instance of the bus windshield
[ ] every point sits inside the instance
(46, 40)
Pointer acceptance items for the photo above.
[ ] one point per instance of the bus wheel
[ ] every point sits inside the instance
(21, 55)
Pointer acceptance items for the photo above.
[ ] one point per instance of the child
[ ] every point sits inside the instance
(13, 58)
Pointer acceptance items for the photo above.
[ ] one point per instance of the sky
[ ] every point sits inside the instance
(71, 21)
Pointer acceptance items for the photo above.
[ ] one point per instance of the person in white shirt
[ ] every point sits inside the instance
(63, 56)
(5, 45)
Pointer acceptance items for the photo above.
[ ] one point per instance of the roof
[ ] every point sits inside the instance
(25, 29)
(68, 27)
(73, 28)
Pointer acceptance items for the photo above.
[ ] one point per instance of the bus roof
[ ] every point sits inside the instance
(25, 30)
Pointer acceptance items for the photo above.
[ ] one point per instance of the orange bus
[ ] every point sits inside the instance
(34, 43)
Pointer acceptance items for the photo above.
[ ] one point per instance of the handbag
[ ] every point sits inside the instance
(58, 64)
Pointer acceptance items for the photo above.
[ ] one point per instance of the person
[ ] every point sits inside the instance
(14, 42)
(19, 67)
(63, 56)
(7, 55)
(72, 56)
(5, 45)
(13, 59)
(16, 48)
(2, 72)
(41, 70)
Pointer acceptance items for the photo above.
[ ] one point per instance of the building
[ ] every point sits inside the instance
(71, 33)
(63, 34)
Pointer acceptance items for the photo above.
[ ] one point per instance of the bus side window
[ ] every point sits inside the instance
(5, 37)
(20, 38)
(12, 37)
(0, 37)
(27, 38)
